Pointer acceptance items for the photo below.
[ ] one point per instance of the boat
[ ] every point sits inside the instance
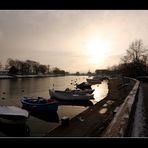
(13, 115)
(78, 91)
(39, 104)
(93, 81)
(69, 96)
(83, 86)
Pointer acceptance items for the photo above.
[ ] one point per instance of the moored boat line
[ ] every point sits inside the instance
(70, 109)
(94, 121)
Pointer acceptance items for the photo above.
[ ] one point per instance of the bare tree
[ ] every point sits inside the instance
(33, 66)
(43, 69)
(135, 53)
(10, 62)
(134, 63)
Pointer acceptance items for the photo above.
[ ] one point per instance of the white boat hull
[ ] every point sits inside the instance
(69, 96)
(13, 115)
(93, 81)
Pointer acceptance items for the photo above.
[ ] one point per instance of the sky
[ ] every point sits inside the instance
(72, 40)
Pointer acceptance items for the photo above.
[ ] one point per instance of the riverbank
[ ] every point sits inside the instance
(34, 76)
(28, 76)
(93, 121)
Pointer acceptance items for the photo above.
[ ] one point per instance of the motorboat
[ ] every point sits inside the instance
(70, 96)
(83, 85)
(13, 114)
(39, 104)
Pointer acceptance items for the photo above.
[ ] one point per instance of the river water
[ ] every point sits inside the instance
(11, 91)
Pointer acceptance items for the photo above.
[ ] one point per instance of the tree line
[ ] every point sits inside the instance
(27, 67)
(135, 62)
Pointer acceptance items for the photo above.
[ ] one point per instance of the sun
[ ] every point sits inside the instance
(97, 50)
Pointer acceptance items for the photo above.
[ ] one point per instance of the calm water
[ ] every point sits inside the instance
(12, 90)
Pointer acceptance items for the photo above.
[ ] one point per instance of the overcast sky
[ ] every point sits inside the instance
(73, 40)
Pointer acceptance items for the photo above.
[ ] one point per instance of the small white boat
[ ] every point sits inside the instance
(83, 86)
(13, 115)
(70, 96)
(78, 91)
(93, 81)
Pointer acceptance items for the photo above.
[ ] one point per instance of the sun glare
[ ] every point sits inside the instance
(97, 50)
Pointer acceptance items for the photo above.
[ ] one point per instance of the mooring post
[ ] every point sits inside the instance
(65, 121)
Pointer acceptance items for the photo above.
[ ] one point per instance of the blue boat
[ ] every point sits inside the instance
(39, 104)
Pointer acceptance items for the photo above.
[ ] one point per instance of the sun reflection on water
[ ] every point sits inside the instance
(101, 91)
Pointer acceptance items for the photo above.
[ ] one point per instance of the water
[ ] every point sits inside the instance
(12, 90)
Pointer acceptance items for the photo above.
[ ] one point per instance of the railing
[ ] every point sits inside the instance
(119, 124)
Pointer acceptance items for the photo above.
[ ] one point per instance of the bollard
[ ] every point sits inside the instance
(65, 121)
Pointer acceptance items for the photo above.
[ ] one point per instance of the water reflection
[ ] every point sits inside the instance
(76, 103)
(15, 130)
(16, 88)
(35, 87)
(46, 116)
(101, 91)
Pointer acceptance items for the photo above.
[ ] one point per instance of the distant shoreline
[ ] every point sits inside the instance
(34, 76)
